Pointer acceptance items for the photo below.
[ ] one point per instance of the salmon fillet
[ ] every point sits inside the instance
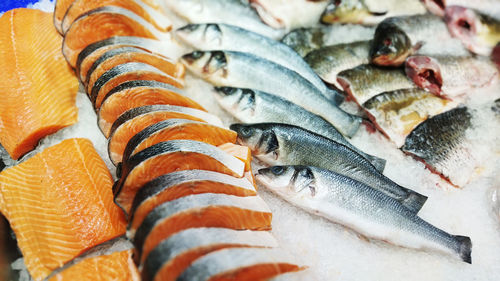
(37, 88)
(60, 203)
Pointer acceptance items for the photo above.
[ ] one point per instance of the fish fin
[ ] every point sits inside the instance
(378, 163)
(414, 201)
(336, 97)
(465, 248)
(363, 238)
(417, 46)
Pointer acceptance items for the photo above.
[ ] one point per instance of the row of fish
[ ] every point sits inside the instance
(185, 187)
(323, 172)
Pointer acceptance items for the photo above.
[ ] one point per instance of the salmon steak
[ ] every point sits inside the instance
(37, 91)
(60, 203)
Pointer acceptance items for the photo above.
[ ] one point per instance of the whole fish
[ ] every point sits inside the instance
(369, 12)
(450, 76)
(304, 40)
(366, 81)
(207, 37)
(487, 7)
(478, 32)
(282, 144)
(250, 106)
(361, 208)
(235, 12)
(240, 70)
(328, 61)
(289, 14)
(399, 37)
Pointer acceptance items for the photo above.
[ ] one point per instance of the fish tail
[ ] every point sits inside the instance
(414, 201)
(464, 248)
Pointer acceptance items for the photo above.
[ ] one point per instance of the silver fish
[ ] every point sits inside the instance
(250, 106)
(240, 70)
(281, 144)
(234, 12)
(207, 37)
(361, 208)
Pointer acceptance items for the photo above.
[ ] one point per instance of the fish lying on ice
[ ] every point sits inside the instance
(304, 40)
(240, 70)
(281, 144)
(250, 106)
(361, 208)
(369, 12)
(450, 76)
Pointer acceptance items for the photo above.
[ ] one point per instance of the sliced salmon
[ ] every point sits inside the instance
(135, 120)
(60, 9)
(128, 72)
(239, 151)
(102, 23)
(60, 203)
(240, 264)
(79, 7)
(37, 89)
(94, 51)
(178, 129)
(200, 210)
(137, 93)
(173, 255)
(178, 184)
(167, 157)
(123, 55)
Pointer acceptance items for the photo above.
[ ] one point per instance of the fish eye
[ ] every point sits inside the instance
(277, 170)
(196, 54)
(246, 132)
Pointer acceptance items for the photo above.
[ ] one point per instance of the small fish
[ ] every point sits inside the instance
(366, 81)
(281, 144)
(250, 106)
(328, 61)
(397, 38)
(478, 32)
(207, 37)
(487, 7)
(361, 208)
(235, 12)
(369, 12)
(289, 14)
(304, 40)
(450, 76)
(240, 70)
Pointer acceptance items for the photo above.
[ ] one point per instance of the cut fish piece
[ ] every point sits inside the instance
(240, 264)
(366, 81)
(94, 51)
(397, 113)
(117, 266)
(173, 255)
(178, 129)
(135, 120)
(61, 6)
(137, 93)
(103, 23)
(200, 210)
(167, 157)
(122, 55)
(37, 89)
(244, 153)
(59, 203)
(80, 7)
(128, 72)
(178, 184)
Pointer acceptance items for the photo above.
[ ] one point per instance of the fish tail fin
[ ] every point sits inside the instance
(414, 201)
(378, 163)
(464, 248)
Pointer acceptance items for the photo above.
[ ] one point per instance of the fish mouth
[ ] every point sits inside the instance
(425, 72)
(436, 6)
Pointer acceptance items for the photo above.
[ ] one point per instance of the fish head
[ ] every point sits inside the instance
(260, 138)
(204, 36)
(390, 46)
(209, 65)
(288, 181)
(346, 11)
(236, 100)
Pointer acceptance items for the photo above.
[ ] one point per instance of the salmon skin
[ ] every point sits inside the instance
(69, 188)
(200, 210)
(37, 91)
(173, 255)
(178, 184)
